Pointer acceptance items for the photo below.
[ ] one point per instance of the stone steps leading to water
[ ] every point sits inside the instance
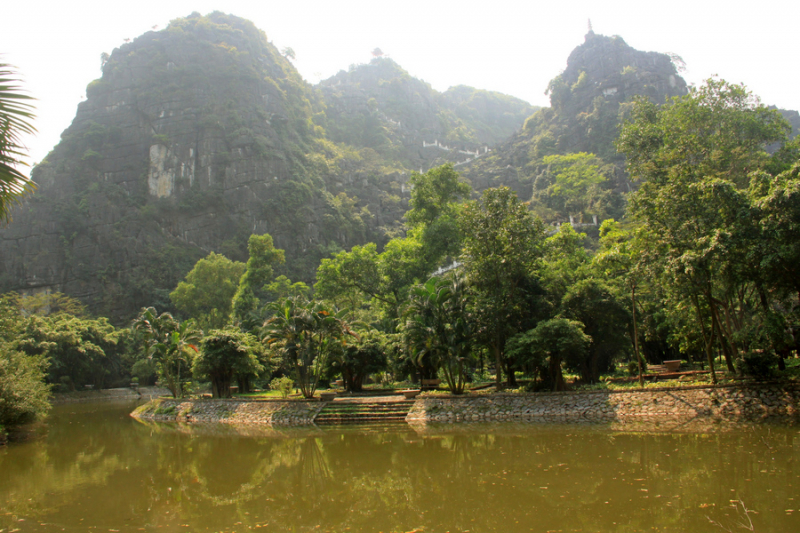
(344, 412)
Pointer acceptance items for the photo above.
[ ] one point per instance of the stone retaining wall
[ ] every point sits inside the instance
(270, 412)
(654, 406)
(723, 402)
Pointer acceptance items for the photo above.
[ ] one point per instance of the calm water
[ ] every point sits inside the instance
(92, 468)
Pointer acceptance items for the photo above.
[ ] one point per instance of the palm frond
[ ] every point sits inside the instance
(16, 113)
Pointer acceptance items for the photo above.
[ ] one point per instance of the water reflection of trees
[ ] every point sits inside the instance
(559, 477)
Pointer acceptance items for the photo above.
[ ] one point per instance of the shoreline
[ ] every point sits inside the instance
(106, 395)
(723, 402)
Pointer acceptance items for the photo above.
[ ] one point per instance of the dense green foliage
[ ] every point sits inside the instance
(439, 328)
(23, 392)
(170, 345)
(358, 359)
(305, 333)
(548, 345)
(207, 293)
(502, 247)
(253, 287)
(705, 170)
(224, 355)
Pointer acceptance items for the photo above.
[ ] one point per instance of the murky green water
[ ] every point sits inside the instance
(95, 469)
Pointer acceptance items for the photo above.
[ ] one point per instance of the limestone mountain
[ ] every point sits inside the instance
(588, 102)
(194, 138)
(382, 107)
(199, 135)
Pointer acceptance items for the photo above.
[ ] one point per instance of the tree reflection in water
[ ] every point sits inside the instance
(99, 469)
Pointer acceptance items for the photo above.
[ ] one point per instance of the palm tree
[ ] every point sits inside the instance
(169, 343)
(306, 332)
(15, 115)
(438, 328)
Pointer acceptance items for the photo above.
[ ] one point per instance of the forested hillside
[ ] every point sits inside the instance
(199, 135)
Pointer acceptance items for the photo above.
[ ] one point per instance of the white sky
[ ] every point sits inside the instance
(514, 47)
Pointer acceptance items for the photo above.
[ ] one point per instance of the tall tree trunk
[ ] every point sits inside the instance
(178, 388)
(730, 325)
(708, 340)
(555, 374)
(244, 383)
(511, 379)
(781, 358)
(636, 337)
(498, 363)
(715, 323)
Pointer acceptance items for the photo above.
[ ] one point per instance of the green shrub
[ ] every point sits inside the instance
(283, 385)
(23, 392)
(757, 365)
(633, 368)
(144, 371)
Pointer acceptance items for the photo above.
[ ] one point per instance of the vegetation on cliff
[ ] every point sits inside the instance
(575, 136)
(201, 134)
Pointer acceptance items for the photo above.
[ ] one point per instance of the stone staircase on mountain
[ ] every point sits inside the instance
(363, 412)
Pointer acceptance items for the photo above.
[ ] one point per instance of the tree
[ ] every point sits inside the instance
(596, 305)
(252, 290)
(225, 354)
(23, 393)
(435, 194)
(776, 203)
(78, 349)
(618, 258)
(565, 261)
(502, 246)
(359, 359)
(436, 202)
(695, 155)
(551, 343)
(16, 114)
(170, 344)
(288, 52)
(352, 277)
(283, 287)
(306, 333)
(438, 329)
(363, 274)
(434, 237)
(207, 293)
(48, 304)
(573, 185)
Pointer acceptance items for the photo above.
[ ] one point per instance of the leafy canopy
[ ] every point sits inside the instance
(207, 292)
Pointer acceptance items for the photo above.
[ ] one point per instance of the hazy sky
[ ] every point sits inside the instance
(514, 47)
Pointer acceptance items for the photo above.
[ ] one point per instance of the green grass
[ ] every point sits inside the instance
(171, 410)
(259, 394)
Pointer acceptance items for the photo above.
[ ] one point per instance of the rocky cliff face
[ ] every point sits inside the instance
(196, 137)
(588, 102)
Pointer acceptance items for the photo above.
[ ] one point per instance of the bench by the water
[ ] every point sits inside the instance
(430, 384)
